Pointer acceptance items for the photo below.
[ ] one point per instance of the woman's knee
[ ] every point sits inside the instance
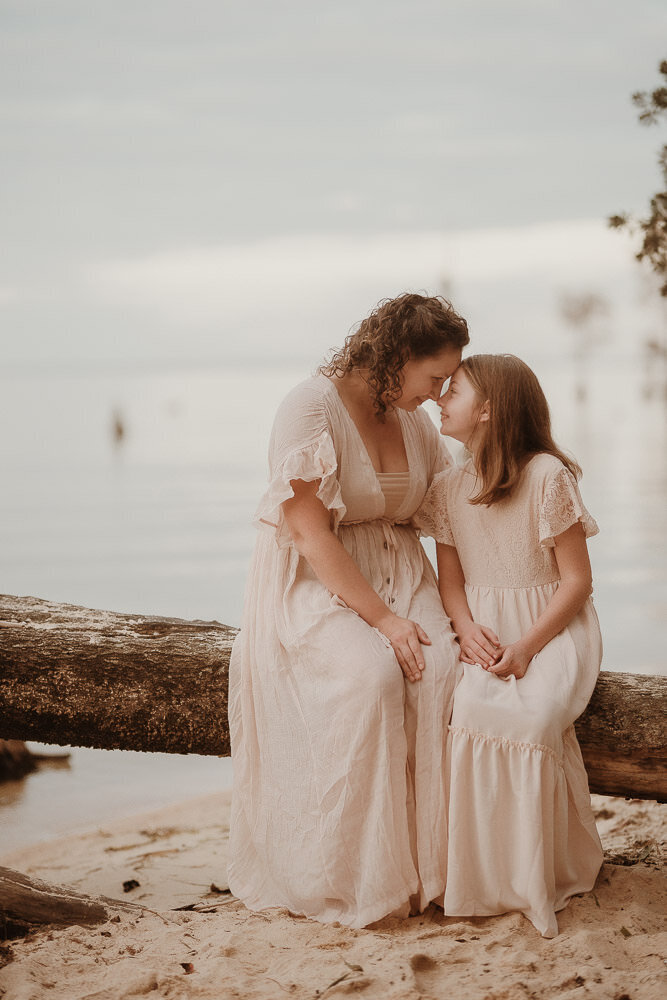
(382, 676)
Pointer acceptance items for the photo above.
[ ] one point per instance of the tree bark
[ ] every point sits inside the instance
(70, 675)
(622, 736)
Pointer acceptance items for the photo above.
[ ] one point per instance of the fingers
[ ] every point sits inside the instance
(409, 664)
(506, 667)
(407, 648)
(491, 636)
(478, 653)
(489, 648)
(480, 644)
(422, 636)
(415, 657)
(501, 664)
(407, 640)
(503, 674)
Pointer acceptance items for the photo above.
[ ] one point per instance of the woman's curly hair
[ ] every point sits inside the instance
(409, 326)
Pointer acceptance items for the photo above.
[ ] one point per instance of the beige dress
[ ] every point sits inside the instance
(521, 829)
(339, 804)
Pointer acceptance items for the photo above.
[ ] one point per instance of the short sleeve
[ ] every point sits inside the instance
(562, 507)
(431, 517)
(301, 447)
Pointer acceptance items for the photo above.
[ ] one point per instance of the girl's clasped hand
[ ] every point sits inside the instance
(481, 645)
(503, 661)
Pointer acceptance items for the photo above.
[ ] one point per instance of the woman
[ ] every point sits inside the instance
(342, 678)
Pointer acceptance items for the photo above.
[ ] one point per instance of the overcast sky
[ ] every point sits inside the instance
(144, 143)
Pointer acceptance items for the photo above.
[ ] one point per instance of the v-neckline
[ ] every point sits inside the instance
(364, 448)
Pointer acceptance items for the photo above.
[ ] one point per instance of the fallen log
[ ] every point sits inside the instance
(71, 675)
(622, 736)
(32, 901)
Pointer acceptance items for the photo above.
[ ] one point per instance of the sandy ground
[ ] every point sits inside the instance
(612, 942)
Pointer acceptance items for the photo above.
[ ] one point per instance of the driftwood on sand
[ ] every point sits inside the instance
(32, 901)
(70, 675)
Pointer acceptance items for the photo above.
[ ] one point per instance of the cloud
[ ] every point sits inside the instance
(211, 284)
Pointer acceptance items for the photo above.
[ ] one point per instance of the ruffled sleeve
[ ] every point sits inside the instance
(431, 518)
(301, 447)
(562, 507)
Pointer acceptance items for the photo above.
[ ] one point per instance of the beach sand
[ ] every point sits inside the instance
(612, 942)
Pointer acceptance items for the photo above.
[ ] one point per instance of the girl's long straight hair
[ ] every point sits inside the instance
(519, 424)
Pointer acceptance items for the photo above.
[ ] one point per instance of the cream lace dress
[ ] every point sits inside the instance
(339, 803)
(521, 829)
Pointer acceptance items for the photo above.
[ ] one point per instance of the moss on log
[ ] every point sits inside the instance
(70, 675)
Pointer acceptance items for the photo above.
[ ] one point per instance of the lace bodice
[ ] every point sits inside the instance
(511, 543)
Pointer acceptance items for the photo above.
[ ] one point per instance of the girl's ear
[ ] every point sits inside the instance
(485, 412)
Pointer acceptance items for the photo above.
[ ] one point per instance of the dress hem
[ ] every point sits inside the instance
(370, 915)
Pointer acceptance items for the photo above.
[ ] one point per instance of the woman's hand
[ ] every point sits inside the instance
(479, 644)
(406, 638)
(309, 524)
(514, 662)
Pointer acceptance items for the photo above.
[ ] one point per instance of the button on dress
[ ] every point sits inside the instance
(522, 834)
(339, 802)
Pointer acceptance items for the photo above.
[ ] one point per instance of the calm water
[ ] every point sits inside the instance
(160, 523)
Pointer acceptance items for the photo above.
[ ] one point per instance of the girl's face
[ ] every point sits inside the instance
(423, 378)
(462, 412)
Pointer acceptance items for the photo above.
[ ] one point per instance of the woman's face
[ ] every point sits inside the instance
(461, 410)
(423, 378)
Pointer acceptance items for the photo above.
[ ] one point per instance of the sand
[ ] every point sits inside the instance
(612, 942)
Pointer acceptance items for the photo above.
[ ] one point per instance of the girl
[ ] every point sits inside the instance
(343, 674)
(515, 580)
